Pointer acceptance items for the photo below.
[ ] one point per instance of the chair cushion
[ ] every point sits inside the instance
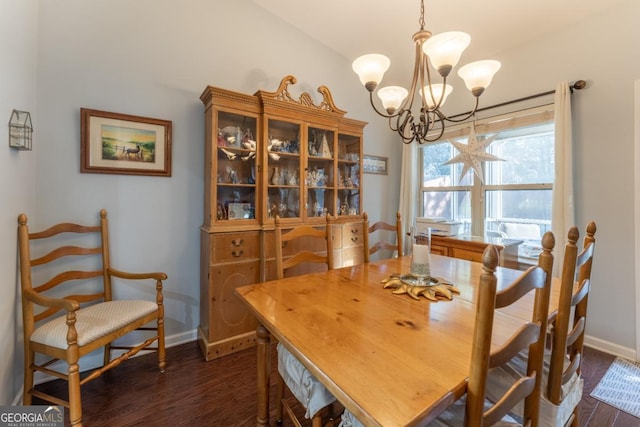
(349, 420)
(93, 322)
(304, 386)
(501, 378)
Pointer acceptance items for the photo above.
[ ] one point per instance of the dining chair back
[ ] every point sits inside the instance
(475, 409)
(318, 402)
(568, 326)
(301, 234)
(382, 243)
(69, 309)
(527, 336)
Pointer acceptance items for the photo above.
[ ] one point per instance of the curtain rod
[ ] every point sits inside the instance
(579, 84)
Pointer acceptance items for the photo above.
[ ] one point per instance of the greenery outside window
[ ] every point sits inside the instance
(515, 199)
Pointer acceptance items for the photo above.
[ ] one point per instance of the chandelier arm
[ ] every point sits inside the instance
(406, 117)
(426, 124)
(405, 120)
(444, 84)
(417, 73)
(466, 116)
(426, 138)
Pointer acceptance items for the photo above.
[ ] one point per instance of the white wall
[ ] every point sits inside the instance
(18, 33)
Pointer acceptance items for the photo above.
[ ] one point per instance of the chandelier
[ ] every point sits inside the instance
(443, 51)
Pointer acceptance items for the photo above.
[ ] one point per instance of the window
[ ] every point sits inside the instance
(515, 199)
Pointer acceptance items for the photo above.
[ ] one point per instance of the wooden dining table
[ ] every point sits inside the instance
(390, 359)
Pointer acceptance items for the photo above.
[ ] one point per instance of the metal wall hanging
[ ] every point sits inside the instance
(20, 130)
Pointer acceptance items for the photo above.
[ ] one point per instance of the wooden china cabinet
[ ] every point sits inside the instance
(269, 154)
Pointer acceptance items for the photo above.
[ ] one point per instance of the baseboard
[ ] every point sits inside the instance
(609, 347)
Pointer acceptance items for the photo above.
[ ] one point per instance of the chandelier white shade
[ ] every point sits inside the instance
(392, 97)
(477, 75)
(371, 67)
(443, 51)
(433, 94)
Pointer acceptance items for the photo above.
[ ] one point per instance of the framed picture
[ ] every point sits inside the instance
(239, 211)
(374, 164)
(124, 144)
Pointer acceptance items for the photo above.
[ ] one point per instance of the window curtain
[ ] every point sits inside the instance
(562, 208)
(409, 182)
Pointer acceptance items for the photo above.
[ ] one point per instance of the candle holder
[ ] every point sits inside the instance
(421, 256)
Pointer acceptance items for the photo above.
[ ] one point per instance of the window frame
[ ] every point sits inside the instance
(478, 190)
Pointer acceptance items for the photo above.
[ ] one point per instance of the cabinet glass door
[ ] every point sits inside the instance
(349, 174)
(283, 169)
(320, 172)
(236, 167)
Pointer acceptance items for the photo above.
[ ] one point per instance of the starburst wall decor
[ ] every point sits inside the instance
(472, 154)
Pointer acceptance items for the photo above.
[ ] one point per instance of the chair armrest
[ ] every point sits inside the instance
(45, 301)
(136, 276)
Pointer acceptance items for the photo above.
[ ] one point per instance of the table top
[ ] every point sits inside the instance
(390, 359)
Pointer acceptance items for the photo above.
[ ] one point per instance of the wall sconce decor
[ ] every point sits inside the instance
(20, 130)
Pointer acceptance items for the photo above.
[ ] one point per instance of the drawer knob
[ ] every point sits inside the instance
(354, 239)
(237, 253)
(236, 242)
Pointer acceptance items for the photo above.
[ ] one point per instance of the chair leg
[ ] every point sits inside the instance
(574, 422)
(161, 349)
(279, 397)
(75, 400)
(28, 378)
(316, 421)
(107, 355)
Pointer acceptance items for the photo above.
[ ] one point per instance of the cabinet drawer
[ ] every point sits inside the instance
(235, 247)
(348, 257)
(440, 250)
(465, 254)
(352, 235)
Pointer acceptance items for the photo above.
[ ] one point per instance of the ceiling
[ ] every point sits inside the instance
(356, 27)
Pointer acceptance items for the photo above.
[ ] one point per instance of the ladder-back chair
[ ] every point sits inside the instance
(381, 244)
(314, 397)
(564, 385)
(474, 409)
(69, 309)
(561, 386)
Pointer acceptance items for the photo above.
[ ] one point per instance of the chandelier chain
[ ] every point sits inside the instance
(421, 20)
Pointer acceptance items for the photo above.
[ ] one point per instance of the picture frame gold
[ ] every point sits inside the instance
(375, 164)
(115, 143)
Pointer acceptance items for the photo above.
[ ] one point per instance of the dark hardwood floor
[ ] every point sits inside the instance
(222, 392)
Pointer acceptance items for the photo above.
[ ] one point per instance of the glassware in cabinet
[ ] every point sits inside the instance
(320, 172)
(235, 167)
(283, 169)
(349, 174)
